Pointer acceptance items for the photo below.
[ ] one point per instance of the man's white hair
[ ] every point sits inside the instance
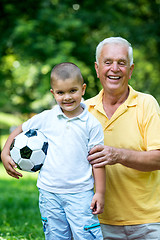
(118, 40)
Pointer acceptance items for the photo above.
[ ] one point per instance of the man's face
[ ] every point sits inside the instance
(114, 69)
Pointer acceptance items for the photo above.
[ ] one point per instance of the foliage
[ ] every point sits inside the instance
(9, 120)
(7, 123)
(20, 217)
(39, 34)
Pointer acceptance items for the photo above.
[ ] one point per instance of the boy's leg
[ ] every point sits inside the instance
(54, 220)
(83, 223)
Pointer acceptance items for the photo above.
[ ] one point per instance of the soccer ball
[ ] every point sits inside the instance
(29, 149)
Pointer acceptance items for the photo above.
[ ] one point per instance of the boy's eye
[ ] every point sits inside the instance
(59, 92)
(73, 90)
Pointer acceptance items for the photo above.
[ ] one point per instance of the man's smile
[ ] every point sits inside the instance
(114, 77)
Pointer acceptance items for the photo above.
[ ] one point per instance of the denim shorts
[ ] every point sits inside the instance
(68, 215)
(149, 231)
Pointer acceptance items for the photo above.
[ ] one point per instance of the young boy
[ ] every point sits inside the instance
(67, 202)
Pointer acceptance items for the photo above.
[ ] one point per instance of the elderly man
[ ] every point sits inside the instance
(131, 125)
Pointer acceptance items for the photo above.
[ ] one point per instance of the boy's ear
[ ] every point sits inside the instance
(83, 88)
(51, 90)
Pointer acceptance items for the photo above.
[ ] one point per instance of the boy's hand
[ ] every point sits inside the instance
(10, 166)
(7, 161)
(97, 204)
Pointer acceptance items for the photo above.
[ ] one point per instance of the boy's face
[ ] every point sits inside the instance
(68, 94)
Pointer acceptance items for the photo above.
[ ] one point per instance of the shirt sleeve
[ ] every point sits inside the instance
(35, 122)
(96, 136)
(151, 124)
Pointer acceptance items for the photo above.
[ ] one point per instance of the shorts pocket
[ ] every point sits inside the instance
(94, 230)
(42, 208)
(44, 222)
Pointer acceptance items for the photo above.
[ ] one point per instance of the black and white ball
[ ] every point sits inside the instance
(29, 150)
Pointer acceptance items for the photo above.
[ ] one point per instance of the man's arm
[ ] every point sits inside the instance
(7, 161)
(97, 204)
(145, 161)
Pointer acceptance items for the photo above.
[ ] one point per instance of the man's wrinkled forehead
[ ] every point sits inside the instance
(114, 51)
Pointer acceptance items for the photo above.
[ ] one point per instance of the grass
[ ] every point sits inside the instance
(19, 213)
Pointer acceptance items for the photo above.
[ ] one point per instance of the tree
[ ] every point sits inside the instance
(39, 34)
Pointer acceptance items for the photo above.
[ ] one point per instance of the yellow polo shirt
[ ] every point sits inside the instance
(132, 196)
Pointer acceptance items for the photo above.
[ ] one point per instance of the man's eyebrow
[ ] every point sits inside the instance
(107, 59)
(118, 60)
(122, 60)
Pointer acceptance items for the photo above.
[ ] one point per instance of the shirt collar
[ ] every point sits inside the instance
(83, 116)
(130, 101)
(132, 98)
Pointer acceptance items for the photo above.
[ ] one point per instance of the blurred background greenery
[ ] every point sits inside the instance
(36, 35)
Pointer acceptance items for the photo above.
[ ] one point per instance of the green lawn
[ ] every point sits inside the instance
(19, 212)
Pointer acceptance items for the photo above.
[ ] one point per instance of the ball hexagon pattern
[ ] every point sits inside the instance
(29, 150)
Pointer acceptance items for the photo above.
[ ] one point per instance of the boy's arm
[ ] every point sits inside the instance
(7, 161)
(98, 200)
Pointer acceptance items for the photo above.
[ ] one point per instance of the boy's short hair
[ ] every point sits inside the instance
(66, 70)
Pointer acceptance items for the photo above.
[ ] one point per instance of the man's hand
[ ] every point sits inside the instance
(102, 155)
(144, 161)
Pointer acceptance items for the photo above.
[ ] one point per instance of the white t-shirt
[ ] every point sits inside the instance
(66, 168)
